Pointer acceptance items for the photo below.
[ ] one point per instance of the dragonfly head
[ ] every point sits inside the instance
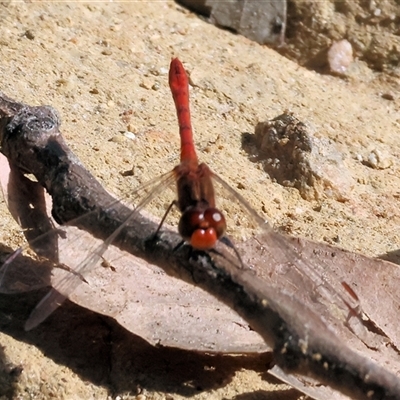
(202, 227)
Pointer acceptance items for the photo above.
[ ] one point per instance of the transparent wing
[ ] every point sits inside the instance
(285, 264)
(77, 254)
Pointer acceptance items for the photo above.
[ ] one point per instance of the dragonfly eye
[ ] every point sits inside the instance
(203, 239)
(216, 219)
(201, 228)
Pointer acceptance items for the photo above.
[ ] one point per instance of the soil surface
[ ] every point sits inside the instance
(105, 68)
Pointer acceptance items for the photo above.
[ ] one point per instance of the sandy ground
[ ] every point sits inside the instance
(104, 67)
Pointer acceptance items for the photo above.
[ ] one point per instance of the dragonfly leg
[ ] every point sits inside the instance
(227, 242)
(178, 246)
(173, 203)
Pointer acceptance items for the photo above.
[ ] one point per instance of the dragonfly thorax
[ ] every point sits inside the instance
(194, 185)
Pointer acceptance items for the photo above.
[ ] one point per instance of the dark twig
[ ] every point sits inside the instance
(31, 140)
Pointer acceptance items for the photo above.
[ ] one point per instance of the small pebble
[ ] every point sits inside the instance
(130, 135)
(117, 139)
(29, 34)
(387, 96)
(131, 128)
(378, 159)
(340, 56)
(126, 116)
(146, 83)
(163, 71)
(103, 42)
(115, 28)
(336, 239)
(377, 12)
(61, 82)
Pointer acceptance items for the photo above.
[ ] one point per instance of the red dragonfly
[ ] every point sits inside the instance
(201, 224)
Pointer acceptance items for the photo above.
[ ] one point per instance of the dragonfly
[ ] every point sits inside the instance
(201, 225)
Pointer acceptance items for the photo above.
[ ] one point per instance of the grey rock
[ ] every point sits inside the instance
(261, 21)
